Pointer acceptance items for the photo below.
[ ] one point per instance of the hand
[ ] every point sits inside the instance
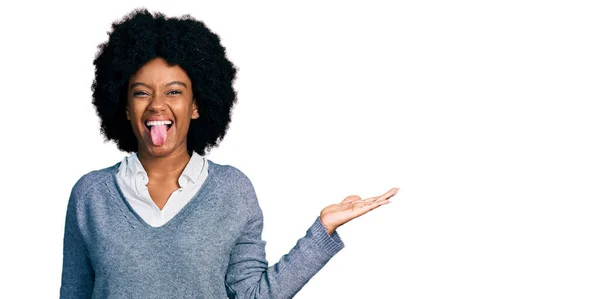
(351, 207)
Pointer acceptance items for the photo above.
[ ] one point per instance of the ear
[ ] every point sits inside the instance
(127, 112)
(195, 113)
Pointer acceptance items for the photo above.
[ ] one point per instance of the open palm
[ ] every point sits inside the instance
(353, 206)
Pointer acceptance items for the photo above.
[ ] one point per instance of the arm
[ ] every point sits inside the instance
(249, 275)
(77, 272)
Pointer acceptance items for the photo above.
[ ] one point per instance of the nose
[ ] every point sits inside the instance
(157, 104)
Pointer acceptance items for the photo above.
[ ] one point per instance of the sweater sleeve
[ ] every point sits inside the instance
(77, 272)
(248, 274)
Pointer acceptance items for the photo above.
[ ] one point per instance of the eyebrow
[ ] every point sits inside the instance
(148, 86)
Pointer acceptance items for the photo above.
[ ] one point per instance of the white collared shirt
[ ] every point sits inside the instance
(133, 178)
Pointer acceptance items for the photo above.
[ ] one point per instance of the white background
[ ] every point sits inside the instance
(484, 113)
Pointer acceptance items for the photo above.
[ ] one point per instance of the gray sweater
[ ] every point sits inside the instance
(211, 249)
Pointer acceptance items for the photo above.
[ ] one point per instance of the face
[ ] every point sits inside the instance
(160, 106)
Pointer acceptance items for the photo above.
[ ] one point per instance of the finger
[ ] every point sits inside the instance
(386, 195)
(377, 204)
(369, 204)
(389, 194)
(362, 207)
(350, 199)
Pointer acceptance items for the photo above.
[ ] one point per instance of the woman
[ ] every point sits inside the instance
(166, 222)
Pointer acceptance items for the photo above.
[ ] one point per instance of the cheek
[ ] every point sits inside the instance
(135, 112)
(134, 118)
(183, 113)
(184, 124)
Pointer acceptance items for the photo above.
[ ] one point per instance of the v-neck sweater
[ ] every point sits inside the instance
(212, 248)
(132, 179)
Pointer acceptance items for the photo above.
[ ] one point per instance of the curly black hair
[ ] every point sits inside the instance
(184, 41)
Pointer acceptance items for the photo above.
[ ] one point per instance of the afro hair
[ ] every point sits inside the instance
(142, 36)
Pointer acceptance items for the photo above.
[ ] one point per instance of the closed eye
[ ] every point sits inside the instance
(139, 93)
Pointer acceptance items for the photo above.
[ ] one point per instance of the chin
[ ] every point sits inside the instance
(161, 151)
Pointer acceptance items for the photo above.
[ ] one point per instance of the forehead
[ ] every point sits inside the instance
(158, 71)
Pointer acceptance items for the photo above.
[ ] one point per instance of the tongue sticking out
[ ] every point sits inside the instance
(158, 134)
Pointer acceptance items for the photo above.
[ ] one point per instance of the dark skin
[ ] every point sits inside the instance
(162, 92)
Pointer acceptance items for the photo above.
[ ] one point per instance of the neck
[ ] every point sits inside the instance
(169, 166)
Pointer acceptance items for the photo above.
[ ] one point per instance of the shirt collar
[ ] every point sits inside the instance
(135, 167)
(193, 169)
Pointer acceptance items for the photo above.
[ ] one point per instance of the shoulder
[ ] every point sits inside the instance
(229, 174)
(239, 189)
(92, 180)
(234, 183)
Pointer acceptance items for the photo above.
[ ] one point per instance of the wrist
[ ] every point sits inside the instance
(329, 227)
